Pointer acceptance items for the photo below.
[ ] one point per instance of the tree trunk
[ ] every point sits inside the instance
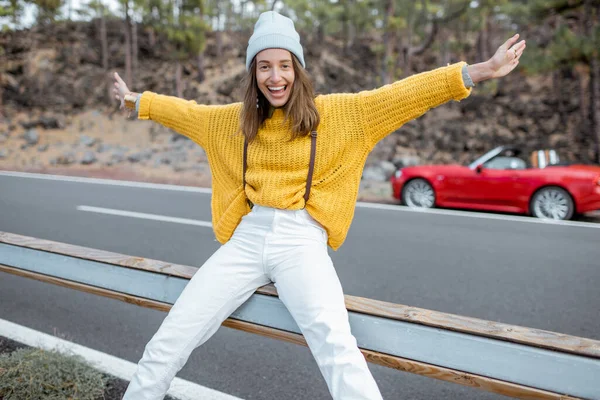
(128, 73)
(151, 37)
(178, 81)
(350, 36)
(104, 49)
(444, 51)
(444, 48)
(229, 17)
(405, 49)
(557, 81)
(1, 103)
(595, 83)
(388, 42)
(134, 49)
(202, 38)
(242, 9)
(482, 40)
(218, 33)
(15, 17)
(560, 104)
(591, 15)
(594, 104)
(201, 75)
(583, 75)
(219, 42)
(321, 35)
(349, 30)
(103, 41)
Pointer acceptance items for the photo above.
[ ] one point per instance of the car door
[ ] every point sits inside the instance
(459, 185)
(497, 187)
(500, 183)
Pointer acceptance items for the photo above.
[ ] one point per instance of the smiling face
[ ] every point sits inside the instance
(275, 75)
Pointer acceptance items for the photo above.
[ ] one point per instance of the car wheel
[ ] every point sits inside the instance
(418, 193)
(552, 203)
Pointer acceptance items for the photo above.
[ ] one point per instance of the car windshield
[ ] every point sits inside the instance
(502, 157)
(505, 157)
(504, 162)
(486, 157)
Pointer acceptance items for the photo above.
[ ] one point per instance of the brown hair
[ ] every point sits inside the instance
(300, 108)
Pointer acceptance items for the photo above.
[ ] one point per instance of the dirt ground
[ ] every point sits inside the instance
(116, 131)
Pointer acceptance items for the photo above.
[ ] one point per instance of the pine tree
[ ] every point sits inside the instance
(47, 10)
(10, 11)
(569, 39)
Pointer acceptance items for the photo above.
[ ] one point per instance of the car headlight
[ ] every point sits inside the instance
(398, 174)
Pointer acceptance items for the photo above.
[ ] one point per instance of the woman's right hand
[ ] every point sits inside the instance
(120, 89)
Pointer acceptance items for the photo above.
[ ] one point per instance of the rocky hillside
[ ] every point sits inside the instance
(57, 114)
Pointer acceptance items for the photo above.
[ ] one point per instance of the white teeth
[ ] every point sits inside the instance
(276, 88)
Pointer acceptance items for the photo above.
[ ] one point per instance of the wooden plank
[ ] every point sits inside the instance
(462, 378)
(133, 281)
(516, 334)
(458, 323)
(138, 301)
(107, 257)
(495, 330)
(399, 363)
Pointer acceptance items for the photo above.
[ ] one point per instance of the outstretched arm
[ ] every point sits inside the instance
(502, 62)
(185, 117)
(387, 108)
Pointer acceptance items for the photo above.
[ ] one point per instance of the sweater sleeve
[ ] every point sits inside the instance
(185, 117)
(389, 107)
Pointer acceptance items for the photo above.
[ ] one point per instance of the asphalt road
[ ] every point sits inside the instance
(516, 271)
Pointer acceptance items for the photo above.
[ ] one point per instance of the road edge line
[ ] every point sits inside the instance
(123, 369)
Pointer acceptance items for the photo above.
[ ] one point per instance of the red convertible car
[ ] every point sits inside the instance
(503, 180)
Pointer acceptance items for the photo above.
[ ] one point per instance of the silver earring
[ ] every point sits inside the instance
(257, 106)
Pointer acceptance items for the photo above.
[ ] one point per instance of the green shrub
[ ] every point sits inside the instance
(28, 374)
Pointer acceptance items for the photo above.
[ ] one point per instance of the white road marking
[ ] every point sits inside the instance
(480, 215)
(155, 217)
(388, 207)
(112, 182)
(180, 388)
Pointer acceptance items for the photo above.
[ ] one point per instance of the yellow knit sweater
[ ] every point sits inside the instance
(351, 125)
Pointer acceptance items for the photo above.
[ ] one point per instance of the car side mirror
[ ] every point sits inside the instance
(479, 168)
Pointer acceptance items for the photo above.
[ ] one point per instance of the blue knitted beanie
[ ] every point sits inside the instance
(274, 31)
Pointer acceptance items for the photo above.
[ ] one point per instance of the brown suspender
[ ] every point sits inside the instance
(311, 166)
(245, 167)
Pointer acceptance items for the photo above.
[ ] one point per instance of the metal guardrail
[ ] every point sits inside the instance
(509, 360)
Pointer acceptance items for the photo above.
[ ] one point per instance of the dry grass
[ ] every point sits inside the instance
(31, 374)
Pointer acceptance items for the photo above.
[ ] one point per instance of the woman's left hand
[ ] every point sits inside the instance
(505, 60)
(506, 57)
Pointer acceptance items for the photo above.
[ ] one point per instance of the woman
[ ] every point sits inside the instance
(286, 168)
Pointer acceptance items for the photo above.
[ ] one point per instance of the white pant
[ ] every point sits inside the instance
(290, 249)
